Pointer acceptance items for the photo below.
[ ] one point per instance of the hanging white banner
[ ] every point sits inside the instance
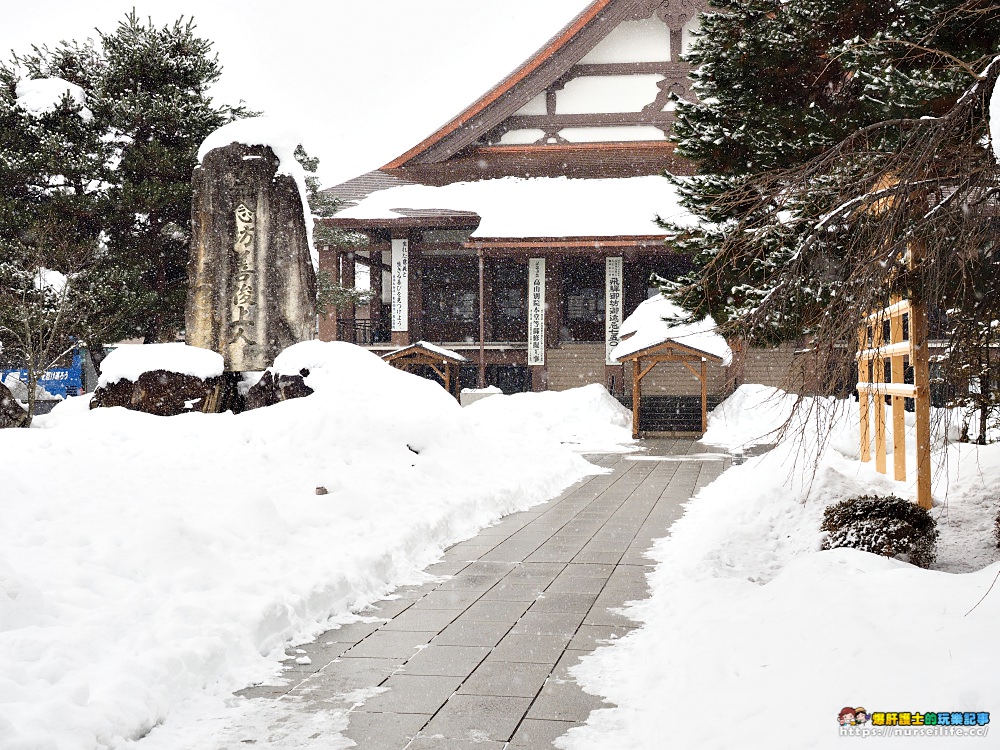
(613, 302)
(400, 285)
(536, 311)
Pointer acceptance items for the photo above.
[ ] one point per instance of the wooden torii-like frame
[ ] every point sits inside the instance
(905, 322)
(645, 359)
(907, 339)
(444, 362)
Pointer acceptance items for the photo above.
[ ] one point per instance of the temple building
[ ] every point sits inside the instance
(521, 233)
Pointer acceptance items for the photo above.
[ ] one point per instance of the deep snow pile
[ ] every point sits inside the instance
(588, 419)
(129, 361)
(754, 638)
(146, 561)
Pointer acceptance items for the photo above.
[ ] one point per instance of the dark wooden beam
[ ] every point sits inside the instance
(667, 69)
(597, 119)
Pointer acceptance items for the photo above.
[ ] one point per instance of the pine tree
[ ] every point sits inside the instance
(152, 93)
(106, 199)
(51, 208)
(779, 85)
(329, 294)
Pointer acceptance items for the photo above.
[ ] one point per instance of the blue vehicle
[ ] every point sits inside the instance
(59, 381)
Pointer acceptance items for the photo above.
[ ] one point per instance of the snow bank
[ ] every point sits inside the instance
(129, 361)
(746, 611)
(648, 325)
(170, 560)
(40, 96)
(540, 206)
(588, 419)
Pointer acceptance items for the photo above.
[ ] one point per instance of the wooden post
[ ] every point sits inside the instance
(347, 276)
(864, 397)
(704, 396)
(375, 306)
(922, 402)
(898, 402)
(329, 259)
(878, 378)
(636, 388)
(481, 382)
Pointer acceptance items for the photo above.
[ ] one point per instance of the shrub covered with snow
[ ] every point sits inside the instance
(888, 526)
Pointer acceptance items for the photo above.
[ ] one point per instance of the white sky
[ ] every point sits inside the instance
(362, 81)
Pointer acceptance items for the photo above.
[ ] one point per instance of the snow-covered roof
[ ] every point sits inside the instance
(648, 326)
(513, 207)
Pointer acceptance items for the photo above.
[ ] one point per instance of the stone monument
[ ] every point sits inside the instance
(251, 282)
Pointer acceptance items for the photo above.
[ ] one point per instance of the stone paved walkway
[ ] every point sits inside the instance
(480, 659)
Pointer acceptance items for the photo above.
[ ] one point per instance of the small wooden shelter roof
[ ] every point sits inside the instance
(668, 346)
(423, 349)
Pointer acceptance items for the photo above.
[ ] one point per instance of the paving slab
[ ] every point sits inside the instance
(412, 694)
(536, 734)
(385, 731)
(457, 661)
(480, 655)
(478, 717)
(498, 677)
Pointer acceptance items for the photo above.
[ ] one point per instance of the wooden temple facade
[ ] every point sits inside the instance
(516, 234)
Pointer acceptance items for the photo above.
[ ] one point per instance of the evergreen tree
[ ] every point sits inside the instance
(330, 295)
(147, 87)
(153, 96)
(51, 209)
(780, 84)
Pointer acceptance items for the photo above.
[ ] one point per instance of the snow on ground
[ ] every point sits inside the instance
(587, 419)
(755, 638)
(150, 565)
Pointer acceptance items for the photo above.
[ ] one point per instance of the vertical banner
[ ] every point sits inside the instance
(400, 285)
(536, 311)
(612, 305)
